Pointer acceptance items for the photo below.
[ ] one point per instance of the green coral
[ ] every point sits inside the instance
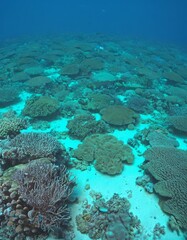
(84, 125)
(42, 106)
(108, 152)
(119, 115)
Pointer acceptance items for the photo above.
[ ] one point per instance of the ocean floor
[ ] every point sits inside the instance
(132, 91)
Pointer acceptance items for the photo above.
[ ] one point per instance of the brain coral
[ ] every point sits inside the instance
(43, 106)
(168, 166)
(108, 153)
(118, 115)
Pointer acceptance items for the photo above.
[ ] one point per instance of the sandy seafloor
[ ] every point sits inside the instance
(143, 204)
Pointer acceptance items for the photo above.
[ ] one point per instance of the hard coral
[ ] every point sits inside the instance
(109, 220)
(37, 203)
(138, 104)
(45, 188)
(41, 107)
(8, 95)
(11, 126)
(85, 125)
(96, 101)
(108, 153)
(28, 146)
(179, 123)
(168, 166)
(118, 115)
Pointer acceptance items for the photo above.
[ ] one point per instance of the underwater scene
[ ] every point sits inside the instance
(93, 126)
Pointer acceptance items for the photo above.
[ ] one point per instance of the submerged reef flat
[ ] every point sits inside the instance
(93, 139)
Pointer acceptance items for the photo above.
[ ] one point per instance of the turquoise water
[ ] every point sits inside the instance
(93, 120)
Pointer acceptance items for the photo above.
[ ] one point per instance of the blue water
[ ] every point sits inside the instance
(163, 20)
(97, 89)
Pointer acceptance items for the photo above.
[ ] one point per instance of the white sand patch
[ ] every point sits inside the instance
(143, 204)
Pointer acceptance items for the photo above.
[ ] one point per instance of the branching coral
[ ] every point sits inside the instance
(43, 189)
(35, 201)
(28, 146)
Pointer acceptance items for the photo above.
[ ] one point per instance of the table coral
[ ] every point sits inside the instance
(118, 115)
(178, 123)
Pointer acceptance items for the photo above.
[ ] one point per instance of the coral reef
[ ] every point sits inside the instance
(108, 152)
(36, 203)
(84, 125)
(109, 220)
(28, 146)
(11, 125)
(156, 138)
(179, 123)
(168, 166)
(8, 95)
(96, 101)
(40, 107)
(119, 115)
(138, 104)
